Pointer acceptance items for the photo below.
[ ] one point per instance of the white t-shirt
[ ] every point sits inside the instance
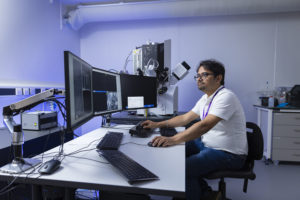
(229, 134)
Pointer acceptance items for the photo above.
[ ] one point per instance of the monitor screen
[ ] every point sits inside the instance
(78, 86)
(106, 92)
(138, 91)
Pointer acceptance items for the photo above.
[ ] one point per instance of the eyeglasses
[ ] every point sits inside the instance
(204, 75)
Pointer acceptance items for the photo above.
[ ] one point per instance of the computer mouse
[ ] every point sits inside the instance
(49, 167)
(139, 127)
(150, 144)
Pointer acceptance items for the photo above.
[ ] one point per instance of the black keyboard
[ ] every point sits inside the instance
(132, 170)
(168, 132)
(110, 141)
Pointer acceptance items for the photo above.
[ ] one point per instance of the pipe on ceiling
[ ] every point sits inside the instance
(175, 9)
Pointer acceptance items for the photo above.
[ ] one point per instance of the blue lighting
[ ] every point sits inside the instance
(145, 106)
(99, 91)
(148, 106)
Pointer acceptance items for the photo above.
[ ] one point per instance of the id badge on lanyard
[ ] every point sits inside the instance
(204, 114)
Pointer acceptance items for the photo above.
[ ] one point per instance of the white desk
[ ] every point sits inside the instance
(167, 163)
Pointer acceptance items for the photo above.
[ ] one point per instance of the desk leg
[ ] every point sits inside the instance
(69, 194)
(36, 192)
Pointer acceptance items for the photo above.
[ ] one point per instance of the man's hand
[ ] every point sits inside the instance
(161, 141)
(149, 124)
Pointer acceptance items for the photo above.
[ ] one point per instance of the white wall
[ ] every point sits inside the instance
(32, 45)
(253, 48)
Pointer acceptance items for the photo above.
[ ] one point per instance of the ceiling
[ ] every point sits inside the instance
(80, 12)
(90, 2)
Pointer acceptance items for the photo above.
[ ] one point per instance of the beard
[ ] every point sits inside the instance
(201, 86)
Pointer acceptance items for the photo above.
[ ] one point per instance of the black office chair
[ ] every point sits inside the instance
(255, 152)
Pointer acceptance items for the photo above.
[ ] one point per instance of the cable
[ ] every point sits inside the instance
(32, 172)
(10, 189)
(62, 135)
(62, 139)
(61, 147)
(81, 149)
(62, 113)
(89, 159)
(126, 62)
(48, 155)
(60, 105)
(55, 99)
(76, 135)
(46, 143)
(78, 151)
(154, 62)
(4, 188)
(36, 104)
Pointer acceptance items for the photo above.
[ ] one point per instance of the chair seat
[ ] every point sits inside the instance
(232, 174)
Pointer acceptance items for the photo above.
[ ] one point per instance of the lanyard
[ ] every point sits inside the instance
(204, 115)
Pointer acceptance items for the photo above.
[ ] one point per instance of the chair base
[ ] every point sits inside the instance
(222, 189)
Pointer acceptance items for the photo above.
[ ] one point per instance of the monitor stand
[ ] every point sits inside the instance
(106, 121)
(18, 166)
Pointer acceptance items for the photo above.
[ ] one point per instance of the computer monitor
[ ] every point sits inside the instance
(106, 92)
(79, 93)
(138, 91)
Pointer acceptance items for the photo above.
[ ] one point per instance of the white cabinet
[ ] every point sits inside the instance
(281, 131)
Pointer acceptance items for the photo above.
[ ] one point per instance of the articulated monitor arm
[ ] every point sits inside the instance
(19, 164)
(25, 104)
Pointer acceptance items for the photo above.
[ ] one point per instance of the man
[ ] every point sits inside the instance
(218, 141)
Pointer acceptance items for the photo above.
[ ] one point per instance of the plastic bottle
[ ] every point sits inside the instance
(271, 101)
(282, 97)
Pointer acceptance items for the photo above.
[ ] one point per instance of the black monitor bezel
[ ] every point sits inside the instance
(70, 126)
(128, 109)
(111, 111)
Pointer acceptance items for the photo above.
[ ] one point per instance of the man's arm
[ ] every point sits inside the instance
(180, 120)
(193, 132)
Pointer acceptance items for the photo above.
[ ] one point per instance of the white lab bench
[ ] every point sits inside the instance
(281, 132)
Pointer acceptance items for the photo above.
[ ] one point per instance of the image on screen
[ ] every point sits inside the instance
(138, 91)
(106, 92)
(78, 86)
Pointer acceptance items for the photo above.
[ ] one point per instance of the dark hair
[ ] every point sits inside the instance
(216, 67)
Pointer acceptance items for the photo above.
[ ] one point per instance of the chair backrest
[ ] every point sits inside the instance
(255, 142)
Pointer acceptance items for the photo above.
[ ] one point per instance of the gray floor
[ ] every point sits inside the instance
(273, 182)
